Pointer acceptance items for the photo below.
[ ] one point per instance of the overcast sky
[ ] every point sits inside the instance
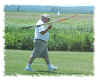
(52, 2)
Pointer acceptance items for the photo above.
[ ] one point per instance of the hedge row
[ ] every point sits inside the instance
(58, 41)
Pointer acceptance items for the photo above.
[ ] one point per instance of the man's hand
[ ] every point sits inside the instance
(43, 32)
(50, 26)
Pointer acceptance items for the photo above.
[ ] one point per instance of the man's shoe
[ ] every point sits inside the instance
(28, 69)
(52, 68)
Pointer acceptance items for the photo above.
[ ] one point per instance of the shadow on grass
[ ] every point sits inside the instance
(47, 73)
(54, 73)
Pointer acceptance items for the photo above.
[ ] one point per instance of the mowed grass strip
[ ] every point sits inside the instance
(68, 63)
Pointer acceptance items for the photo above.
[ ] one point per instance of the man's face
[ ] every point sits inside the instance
(46, 20)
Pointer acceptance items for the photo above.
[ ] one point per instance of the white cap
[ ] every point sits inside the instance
(45, 15)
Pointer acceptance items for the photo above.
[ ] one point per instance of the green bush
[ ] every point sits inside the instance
(62, 40)
(18, 41)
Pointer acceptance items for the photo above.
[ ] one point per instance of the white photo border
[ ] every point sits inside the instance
(21, 77)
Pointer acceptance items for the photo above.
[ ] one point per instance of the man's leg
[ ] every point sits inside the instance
(31, 59)
(47, 60)
(50, 66)
(28, 66)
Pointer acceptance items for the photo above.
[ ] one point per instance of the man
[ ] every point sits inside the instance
(40, 44)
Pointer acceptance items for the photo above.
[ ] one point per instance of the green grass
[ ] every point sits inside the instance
(68, 63)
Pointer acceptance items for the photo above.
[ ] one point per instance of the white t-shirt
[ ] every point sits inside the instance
(39, 29)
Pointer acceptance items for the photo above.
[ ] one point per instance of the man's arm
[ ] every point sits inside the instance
(43, 32)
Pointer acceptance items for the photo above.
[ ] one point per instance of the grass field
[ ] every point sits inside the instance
(68, 63)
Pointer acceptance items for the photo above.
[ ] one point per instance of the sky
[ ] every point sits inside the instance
(52, 2)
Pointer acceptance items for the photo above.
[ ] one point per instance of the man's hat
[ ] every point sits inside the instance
(45, 15)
